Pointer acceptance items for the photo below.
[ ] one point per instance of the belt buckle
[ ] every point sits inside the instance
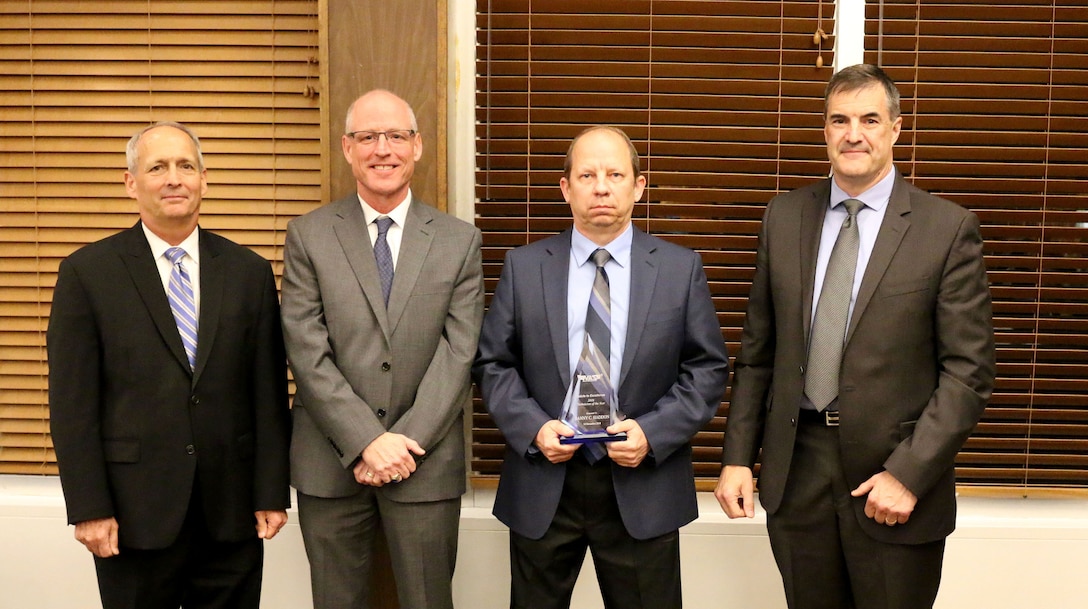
(831, 418)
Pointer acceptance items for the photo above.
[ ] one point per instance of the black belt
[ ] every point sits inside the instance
(827, 418)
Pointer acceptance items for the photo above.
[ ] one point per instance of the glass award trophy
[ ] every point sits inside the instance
(590, 407)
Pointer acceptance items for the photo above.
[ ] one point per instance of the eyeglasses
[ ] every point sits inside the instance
(395, 137)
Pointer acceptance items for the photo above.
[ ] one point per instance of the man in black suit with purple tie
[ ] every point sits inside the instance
(168, 395)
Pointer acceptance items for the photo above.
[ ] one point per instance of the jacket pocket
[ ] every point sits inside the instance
(906, 429)
(121, 451)
(669, 315)
(903, 287)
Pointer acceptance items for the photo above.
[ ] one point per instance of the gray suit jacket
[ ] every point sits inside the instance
(361, 369)
(671, 380)
(918, 363)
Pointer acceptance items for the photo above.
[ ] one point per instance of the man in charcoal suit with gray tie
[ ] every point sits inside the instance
(866, 360)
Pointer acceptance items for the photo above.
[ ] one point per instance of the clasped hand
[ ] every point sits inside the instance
(389, 458)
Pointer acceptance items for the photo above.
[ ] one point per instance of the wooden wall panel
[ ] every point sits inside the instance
(400, 46)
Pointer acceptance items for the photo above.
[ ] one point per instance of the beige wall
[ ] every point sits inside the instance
(1006, 554)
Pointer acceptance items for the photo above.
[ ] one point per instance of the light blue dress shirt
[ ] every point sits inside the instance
(869, 220)
(580, 278)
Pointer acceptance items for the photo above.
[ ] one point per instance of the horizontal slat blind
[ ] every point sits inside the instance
(722, 99)
(76, 80)
(996, 101)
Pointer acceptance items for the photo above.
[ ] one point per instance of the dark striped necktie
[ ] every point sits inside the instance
(597, 345)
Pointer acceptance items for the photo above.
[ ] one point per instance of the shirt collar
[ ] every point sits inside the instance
(619, 248)
(190, 244)
(399, 213)
(875, 198)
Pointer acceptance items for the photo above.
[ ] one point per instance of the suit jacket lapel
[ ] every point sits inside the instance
(553, 278)
(892, 230)
(136, 255)
(212, 284)
(354, 238)
(415, 243)
(812, 222)
(643, 282)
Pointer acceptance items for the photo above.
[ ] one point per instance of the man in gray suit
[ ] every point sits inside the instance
(382, 304)
(859, 432)
(662, 355)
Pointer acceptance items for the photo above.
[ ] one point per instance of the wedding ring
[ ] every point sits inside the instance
(891, 522)
(396, 477)
(369, 474)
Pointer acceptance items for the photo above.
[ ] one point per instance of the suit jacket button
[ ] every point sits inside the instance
(190, 450)
(194, 400)
(385, 366)
(381, 412)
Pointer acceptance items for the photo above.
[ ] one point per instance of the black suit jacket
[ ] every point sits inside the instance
(671, 380)
(917, 365)
(135, 431)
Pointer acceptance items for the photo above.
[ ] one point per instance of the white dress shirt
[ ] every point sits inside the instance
(191, 261)
(399, 215)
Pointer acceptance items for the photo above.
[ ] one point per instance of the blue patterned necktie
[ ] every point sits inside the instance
(182, 303)
(597, 345)
(832, 313)
(384, 257)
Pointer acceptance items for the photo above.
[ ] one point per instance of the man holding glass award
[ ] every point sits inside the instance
(600, 357)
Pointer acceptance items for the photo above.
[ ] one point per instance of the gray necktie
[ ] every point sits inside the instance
(832, 313)
(384, 257)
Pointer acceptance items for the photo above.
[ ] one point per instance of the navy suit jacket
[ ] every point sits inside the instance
(671, 380)
(134, 429)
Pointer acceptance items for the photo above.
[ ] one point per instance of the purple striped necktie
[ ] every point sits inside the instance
(182, 303)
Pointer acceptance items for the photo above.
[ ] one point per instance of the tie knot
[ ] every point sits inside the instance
(600, 256)
(175, 254)
(853, 206)
(383, 224)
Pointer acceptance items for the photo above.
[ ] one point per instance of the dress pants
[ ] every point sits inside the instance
(826, 560)
(339, 537)
(195, 572)
(632, 573)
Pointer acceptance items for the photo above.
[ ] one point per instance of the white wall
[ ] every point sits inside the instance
(1006, 554)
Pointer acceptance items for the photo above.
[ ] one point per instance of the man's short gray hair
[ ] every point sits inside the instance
(132, 154)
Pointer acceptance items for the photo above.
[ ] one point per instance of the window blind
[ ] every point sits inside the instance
(723, 101)
(996, 118)
(77, 79)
